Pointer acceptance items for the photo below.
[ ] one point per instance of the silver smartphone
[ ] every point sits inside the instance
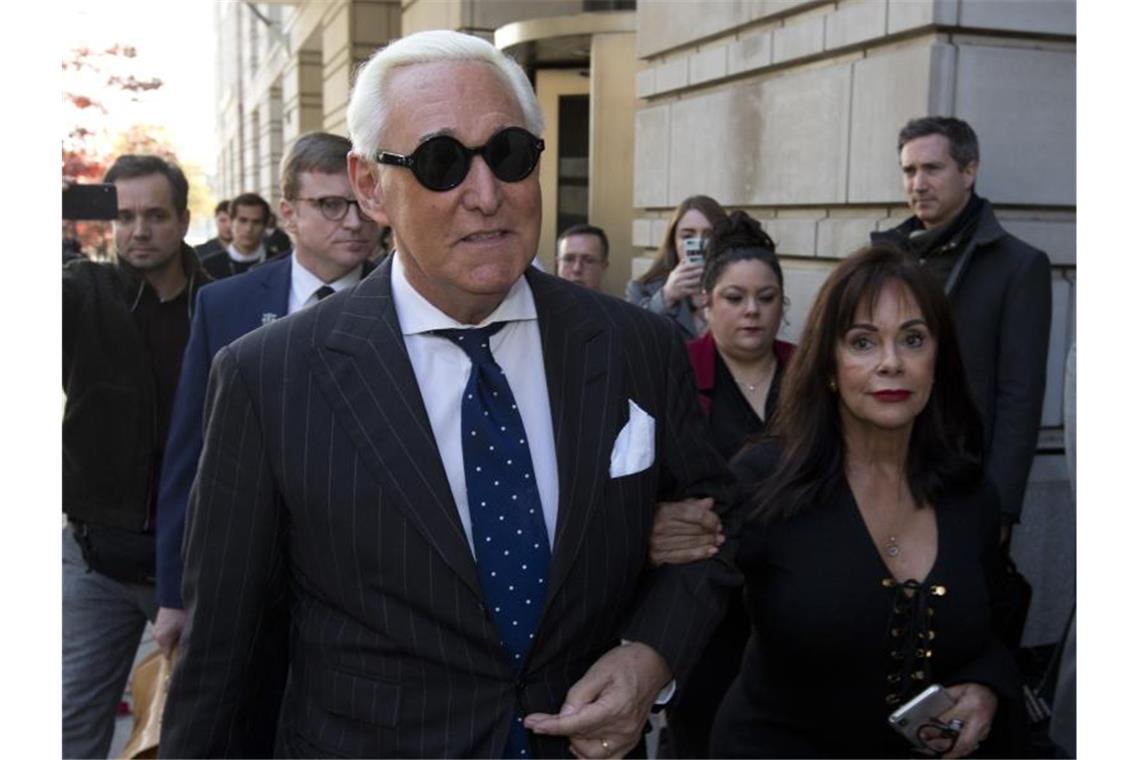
(924, 708)
(694, 250)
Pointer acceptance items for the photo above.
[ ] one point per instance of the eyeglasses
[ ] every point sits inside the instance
(569, 260)
(442, 162)
(334, 207)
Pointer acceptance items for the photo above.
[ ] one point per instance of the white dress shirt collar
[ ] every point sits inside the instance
(304, 284)
(243, 258)
(442, 368)
(418, 315)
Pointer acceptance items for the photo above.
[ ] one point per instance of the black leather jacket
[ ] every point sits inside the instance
(110, 421)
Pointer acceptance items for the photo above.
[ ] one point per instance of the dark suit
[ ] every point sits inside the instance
(320, 473)
(224, 312)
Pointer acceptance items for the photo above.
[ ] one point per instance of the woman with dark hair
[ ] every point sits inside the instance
(671, 286)
(872, 540)
(738, 364)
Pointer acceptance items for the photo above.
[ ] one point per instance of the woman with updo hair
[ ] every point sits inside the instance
(671, 286)
(738, 364)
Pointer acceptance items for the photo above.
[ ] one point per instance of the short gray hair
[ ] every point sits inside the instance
(368, 108)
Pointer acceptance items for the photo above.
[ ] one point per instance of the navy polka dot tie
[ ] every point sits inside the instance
(512, 551)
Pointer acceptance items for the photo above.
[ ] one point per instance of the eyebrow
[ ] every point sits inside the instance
(144, 210)
(904, 326)
(449, 132)
(445, 132)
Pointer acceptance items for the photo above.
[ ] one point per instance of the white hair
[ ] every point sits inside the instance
(367, 107)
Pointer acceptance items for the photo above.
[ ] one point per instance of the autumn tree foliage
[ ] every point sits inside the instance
(95, 83)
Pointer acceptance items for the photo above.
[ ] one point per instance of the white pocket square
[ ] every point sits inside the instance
(634, 447)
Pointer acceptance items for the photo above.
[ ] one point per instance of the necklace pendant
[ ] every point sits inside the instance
(892, 547)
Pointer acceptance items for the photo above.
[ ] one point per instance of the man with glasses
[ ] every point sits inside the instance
(332, 241)
(583, 255)
(450, 470)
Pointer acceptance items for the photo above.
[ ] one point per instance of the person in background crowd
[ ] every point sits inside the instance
(738, 365)
(276, 240)
(249, 214)
(450, 469)
(224, 237)
(385, 245)
(672, 284)
(332, 240)
(999, 287)
(583, 254)
(124, 328)
(871, 544)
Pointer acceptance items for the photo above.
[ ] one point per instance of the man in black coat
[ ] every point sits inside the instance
(224, 236)
(999, 287)
(124, 329)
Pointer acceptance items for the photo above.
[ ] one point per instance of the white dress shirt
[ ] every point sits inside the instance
(245, 258)
(304, 284)
(442, 369)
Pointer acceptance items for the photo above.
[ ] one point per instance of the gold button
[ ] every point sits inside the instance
(938, 591)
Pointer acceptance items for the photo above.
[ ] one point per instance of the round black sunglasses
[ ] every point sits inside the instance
(442, 162)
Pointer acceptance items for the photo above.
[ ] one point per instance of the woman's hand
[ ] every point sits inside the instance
(683, 281)
(975, 706)
(684, 531)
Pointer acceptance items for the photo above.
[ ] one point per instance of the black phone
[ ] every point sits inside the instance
(91, 201)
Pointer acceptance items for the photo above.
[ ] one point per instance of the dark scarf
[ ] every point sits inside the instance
(940, 249)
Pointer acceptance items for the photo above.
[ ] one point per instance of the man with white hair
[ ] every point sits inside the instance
(450, 469)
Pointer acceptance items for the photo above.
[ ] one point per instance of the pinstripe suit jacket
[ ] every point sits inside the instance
(320, 474)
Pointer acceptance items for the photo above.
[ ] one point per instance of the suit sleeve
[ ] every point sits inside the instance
(183, 447)
(681, 605)
(232, 574)
(1022, 354)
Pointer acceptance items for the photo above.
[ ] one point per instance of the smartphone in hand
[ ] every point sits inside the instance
(91, 201)
(694, 250)
(921, 713)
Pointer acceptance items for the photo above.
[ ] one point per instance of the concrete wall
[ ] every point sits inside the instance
(612, 108)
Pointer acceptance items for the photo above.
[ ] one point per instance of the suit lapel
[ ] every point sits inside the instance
(581, 372)
(276, 285)
(364, 371)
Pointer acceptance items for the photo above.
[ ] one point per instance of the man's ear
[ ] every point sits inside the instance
(971, 171)
(287, 217)
(184, 221)
(365, 179)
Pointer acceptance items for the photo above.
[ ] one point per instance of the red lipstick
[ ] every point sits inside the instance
(892, 396)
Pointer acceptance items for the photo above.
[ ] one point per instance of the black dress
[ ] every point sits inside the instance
(837, 643)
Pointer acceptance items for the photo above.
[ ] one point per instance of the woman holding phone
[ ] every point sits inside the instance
(738, 364)
(671, 286)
